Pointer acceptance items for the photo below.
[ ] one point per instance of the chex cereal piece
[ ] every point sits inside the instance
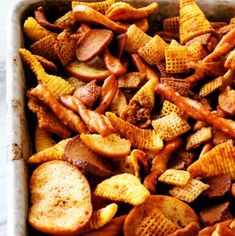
(190, 191)
(136, 38)
(153, 51)
(145, 139)
(55, 152)
(45, 47)
(169, 107)
(102, 216)
(179, 85)
(201, 136)
(175, 177)
(65, 47)
(155, 223)
(182, 160)
(34, 31)
(124, 187)
(171, 24)
(65, 21)
(219, 160)
(101, 6)
(176, 58)
(211, 86)
(170, 126)
(192, 21)
(196, 51)
(162, 69)
(43, 139)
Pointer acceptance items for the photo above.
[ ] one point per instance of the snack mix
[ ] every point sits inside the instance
(134, 128)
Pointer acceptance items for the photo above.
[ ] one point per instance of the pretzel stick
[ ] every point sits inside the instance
(93, 120)
(196, 110)
(159, 164)
(225, 45)
(65, 115)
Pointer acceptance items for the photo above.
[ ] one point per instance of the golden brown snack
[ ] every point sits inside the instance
(121, 11)
(108, 91)
(227, 101)
(171, 24)
(61, 199)
(93, 43)
(111, 146)
(65, 115)
(131, 80)
(65, 21)
(47, 65)
(82, 13)
(119, 103)
(206, 148)
(140, 138)
(233, 190)
(196, 110)
(169, 107)
(175, 211)
(159, 164)
(124, 187)
(94, 121)
(191, 229)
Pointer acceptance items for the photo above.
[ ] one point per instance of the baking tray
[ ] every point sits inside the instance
(18, 138)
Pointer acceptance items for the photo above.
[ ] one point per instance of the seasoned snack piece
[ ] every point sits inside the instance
(43, 139)
(66, 116)
(76, 83)
(196, 51)
(223, 231)
(100, 6)
(124, 187)
(176, 58)
(169, 108)
(79, 155)
(65, 21)
(190, 191)
(121, 42)
(108, 92)
(42, 20)
(136, 38)
(233, 189)
(191, 229)
(47, 120)
(113, 228)
(153, 51)
(45, 47)
(219, 160)
(227, 101)
(215, 214)
(121, 11)
(139, 138)
(61, 199)
(201, 136)
(219, 185)
(171, 24)
(93, 43)
(113, 64)
(230, 60)
(179, 85)
(64, 47)
(176, 211)
(55, 84)
(103, 216)
(211, 86)
(111, 146)
(192, 21)
(196, 110)
(33, 30)
(182, 160)
(175, 177)
(171, 126)
(206, 148)
(119, 103)
(47, 65)
(159, 163)
(138, 111)
(131, 80)
(55, 152)
(87, 71)
(83, 14)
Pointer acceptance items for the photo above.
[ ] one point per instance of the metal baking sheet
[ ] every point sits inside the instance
(18, 140)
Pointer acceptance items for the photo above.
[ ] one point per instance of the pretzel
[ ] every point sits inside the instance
(94, 121)
(113, 64)
(42, 20)
(108, 92)
(159, 163)
(82, 13)
(196, 110)
(66, 116)
(121, 11)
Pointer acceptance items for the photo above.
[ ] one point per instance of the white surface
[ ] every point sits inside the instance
(4, 5)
